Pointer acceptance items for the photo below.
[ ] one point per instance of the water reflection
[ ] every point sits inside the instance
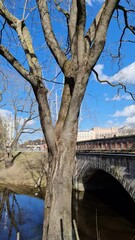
(20, 213)
(101, 216)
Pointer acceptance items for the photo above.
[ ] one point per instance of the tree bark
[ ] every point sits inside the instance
(58, 199)
(9, 160)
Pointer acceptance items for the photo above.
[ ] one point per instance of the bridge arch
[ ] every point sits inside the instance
(85, 169)
(101, 180)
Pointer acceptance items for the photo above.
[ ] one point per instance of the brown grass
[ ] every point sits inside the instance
(28, 168)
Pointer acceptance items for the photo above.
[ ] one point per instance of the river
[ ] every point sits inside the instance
(100, 215)
(22, 214)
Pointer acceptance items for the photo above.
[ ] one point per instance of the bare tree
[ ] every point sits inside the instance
(2, 136)
(20, 126)
(76, 60)
(18, 121)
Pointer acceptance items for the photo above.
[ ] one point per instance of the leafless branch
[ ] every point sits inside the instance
(49, 34)
(127, 25)
(4, 87)
(24, 10)
(31, 130)
(57, 4)
(119, 84)
(1, 31)
(53, 79)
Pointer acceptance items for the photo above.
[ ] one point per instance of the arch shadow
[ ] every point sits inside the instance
(110, 191)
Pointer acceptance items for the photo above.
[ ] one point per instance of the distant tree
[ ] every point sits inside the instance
(2, 136)
(17, 122)
(76, 52)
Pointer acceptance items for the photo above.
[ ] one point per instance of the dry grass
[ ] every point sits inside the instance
(28, 170)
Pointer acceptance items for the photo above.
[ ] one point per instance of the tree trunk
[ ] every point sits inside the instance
(9, 160)
(58, 200)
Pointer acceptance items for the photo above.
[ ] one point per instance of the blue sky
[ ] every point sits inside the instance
(102, 105)
(105, 106)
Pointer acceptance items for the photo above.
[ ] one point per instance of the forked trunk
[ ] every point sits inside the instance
(58, 201)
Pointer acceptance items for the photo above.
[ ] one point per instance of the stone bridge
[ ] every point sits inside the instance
(120, 166)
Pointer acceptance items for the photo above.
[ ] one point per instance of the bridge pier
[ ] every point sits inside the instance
(79, 189)
(78, 186)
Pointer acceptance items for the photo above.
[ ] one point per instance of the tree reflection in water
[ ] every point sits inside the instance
(20, 213)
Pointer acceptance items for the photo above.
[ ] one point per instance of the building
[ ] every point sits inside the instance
(8, 125)
(85, 135)
(100, 132)
(97, 132)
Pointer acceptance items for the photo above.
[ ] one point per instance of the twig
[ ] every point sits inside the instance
(114, 84)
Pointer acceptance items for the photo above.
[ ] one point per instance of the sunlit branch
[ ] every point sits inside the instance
(30, 12)
(81, 19)
(24, 10)
(49, 34)
(57, 4)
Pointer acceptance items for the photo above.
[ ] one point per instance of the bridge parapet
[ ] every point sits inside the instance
(115, 144)
(120, 166)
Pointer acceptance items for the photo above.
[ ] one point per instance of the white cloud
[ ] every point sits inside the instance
(90, 2)
(125, 75)
(128, 111)
(119, 97)
(29, 123)
(130, 121)
(113, 123)
(99, 68)
(5, 113)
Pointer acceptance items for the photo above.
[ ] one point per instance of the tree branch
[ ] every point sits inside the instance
(49, 34)
(31, 130)
(125, 12)
(1, 31)
(72, 27)
(65, 13)
(65, 102)
(24, 37)
(15, 63)
(91, 33)
(127, 26)
(106, 13)
(120, 84)
(81, 19)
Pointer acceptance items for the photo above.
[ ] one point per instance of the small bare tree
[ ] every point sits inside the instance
(2, 136)
(18, 121)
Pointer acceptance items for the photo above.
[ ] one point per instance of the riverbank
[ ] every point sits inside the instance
(28, 171)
